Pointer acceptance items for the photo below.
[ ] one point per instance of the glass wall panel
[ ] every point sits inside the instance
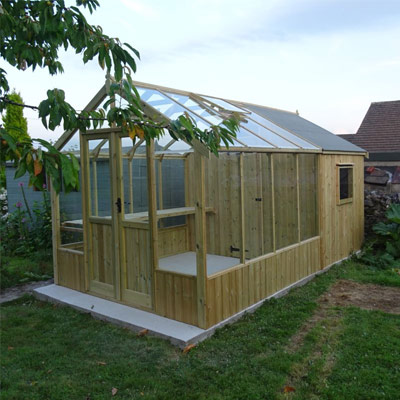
(100, 179)
(71, 216)
(134, 174)
(170, 174)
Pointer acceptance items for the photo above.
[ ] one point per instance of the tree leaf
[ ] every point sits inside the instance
(38, 166)
(143, 332)
(288, 389)
(188, 348)
(393, 213)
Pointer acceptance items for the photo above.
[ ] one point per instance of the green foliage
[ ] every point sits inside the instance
(24, 231)
(390, 232)
(14, 121)
(38, 162)
(33, 33)
(384, 250)
(17, 270)
(3, 180)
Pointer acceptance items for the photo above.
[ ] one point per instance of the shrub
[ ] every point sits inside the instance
(24, 231)
(384, 250)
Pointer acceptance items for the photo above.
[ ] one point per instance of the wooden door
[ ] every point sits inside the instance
(253, 203)
(100, 222)
(134, 228)
(118, 239)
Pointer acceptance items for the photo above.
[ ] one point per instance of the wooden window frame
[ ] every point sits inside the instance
(348, 199)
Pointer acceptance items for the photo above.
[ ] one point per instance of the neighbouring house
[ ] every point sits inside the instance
(379, 134)
(202, 238)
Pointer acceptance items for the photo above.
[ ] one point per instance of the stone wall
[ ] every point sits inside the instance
(376, 202)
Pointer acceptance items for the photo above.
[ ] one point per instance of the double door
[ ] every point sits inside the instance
(117, 242)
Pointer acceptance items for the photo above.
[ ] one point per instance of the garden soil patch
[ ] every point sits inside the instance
(16, 292)
(367, 296)
(346, 293)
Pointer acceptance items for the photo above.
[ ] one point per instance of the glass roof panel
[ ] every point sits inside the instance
(268, 135)
(224, 104)
(246, 137)
(288, 135)
(251, 140)
(173, 110)
(179, 145)
(195, 107)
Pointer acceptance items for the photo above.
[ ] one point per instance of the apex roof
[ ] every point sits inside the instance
(259, 128)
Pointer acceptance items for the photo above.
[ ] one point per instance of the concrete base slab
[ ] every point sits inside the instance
(178, 333)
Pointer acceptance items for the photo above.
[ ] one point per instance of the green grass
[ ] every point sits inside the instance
(17, 270)
(51, 352)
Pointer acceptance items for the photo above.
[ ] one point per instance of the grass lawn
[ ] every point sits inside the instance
(51, 352)
(16, 270)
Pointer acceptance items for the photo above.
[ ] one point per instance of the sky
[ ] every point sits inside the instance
(328, 59)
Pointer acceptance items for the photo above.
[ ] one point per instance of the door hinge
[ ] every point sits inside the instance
(235, 249)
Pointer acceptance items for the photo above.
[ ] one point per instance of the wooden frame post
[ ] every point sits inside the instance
(160, 188)
(242, 213)
(116, 210)
(55, 226)
(298, 200)
(201, 241)
(152, 201)
(130, 177)
(273, 204)
(96, 200)
(85, 184)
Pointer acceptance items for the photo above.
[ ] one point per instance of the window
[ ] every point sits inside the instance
(345, 176)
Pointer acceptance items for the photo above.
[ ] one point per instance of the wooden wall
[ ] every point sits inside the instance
(308, 181)
(286, 202)
(280, 194)
(176, 296)
(173, 240)
(236, 289)
(222, 189)
(342, 226)
(70, 264)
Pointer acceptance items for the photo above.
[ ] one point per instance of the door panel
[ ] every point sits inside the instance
(102, 269)
(136, 263)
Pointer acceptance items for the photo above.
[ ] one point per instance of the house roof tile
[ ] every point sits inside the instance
(380, 128)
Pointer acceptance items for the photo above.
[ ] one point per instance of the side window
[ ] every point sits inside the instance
(345, 177)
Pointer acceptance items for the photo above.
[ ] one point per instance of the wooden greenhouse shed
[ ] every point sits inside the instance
(179, 232)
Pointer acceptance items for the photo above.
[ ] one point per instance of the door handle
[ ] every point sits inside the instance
(119, 205)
